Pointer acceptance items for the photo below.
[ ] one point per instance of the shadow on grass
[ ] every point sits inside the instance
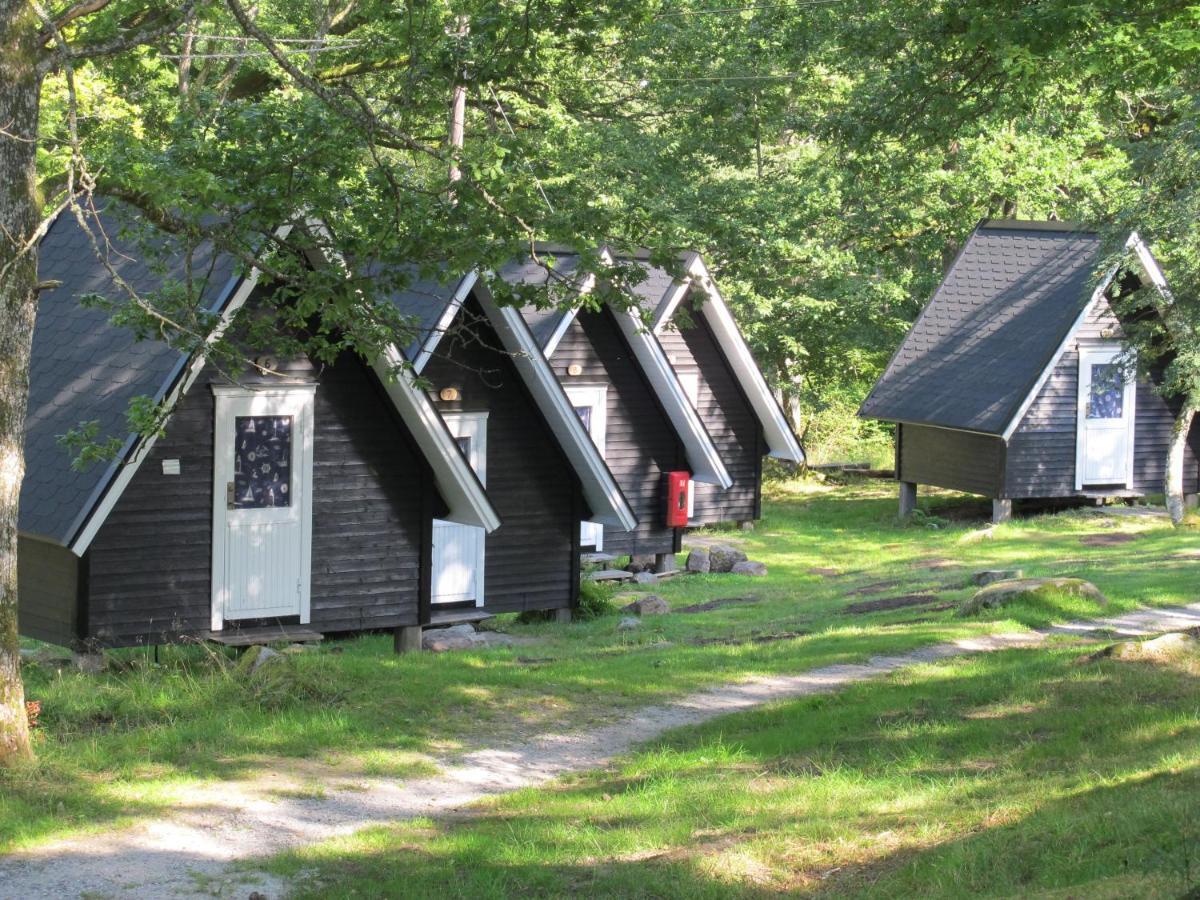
(1017, 773)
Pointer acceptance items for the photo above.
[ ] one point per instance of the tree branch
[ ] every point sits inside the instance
(121, 43)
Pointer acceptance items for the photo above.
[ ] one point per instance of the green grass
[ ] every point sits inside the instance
(119, 745)
(1023, 773)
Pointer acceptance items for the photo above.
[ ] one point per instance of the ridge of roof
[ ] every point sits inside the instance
(1034, 225)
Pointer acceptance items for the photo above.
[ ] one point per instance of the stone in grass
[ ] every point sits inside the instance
(456, 637)
(1164, 648)
(991, 576)
(750, 567)
(698, 561)
(1002, 593)
(723, 558)
(650, 605)
(254, 658)
(629, 623)
(645, 578)
(641, 563)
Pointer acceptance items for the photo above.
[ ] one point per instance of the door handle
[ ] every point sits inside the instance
(230, 501)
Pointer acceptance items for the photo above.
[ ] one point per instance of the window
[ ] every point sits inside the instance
(1107, 399)
(690, 382)
(262, 459)
(585, 416)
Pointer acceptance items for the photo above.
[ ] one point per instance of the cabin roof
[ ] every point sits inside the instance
(992, 326)
(86, 369)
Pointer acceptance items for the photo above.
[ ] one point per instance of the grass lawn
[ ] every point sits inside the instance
(117, 745)
(1023, 773)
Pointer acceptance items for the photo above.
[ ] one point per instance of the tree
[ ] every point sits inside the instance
(220, 121)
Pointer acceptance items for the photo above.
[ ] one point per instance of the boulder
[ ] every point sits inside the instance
(645, 578)
(1165, 647)
(254, 658)
(698, 561)
(991, 576)
(439, 642)
(650, 605)
(723, 558)
(1002, 593)
(750, 567)
(629, 623)
(641, 563)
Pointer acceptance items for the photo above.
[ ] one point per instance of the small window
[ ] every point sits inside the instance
(262, 460)
(585, 416)
(464, 444)
(1108, 392)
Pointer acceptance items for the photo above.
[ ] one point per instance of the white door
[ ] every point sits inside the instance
(458, 549)
(1104, 448)
(262, 503)
(591, 405)
(690, 382)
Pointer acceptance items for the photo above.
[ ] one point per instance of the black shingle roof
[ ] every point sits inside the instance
(85, 369)
(423, 301)
(991, 327)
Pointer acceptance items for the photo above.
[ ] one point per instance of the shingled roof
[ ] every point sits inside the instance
(991, 327)
(86, 369)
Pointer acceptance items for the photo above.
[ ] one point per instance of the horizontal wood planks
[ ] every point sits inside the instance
(726, 413)
(528, 560)
(958, 460)
(150, 564)
(48, 591)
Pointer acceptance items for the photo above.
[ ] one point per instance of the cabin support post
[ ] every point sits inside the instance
(908, 498)
(1191, 501)
(664, 562)
(1001, 511)
(562, 615)
(407, 639)
(746, 525)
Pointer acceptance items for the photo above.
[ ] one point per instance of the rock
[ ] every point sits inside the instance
(641, 563)
(1002, 593)
(255, 658)
(645, 578)
(722, 558)
(750, 567)
(439, 642)
(991, 576)
(746, 525)
(89, 663)
(1173, 645)
(698, 560)
(629, 623)
(650, 605)
(466, 629)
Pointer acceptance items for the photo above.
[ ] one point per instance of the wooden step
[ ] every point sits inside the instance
(610, 575)
(587, 558)
(272, 634)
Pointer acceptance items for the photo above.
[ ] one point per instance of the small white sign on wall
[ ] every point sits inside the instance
(170, 466)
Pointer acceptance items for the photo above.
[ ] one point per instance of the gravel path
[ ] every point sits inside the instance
(188, 853)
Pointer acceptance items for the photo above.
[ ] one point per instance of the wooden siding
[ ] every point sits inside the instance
(728, 416)
(150, 564)
(48, 580)
(958, 460)
(529, 561)
(640, 442)
(1041, 453)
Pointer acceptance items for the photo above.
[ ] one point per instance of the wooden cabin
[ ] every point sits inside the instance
(1014, 383)
(694, 366)
(306, 501)
(517, 427)
(636, 411)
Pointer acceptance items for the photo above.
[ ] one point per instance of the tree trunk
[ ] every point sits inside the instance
(1176, 451)
(20, 87)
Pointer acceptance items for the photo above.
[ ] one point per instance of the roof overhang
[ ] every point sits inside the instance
(782, 442)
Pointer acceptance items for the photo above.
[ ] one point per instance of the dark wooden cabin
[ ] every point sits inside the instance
(704, 345)
(635, 409)
(305, 500)
(1014, 382)
(515, 424)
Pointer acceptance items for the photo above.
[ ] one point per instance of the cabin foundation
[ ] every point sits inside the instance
(407, 639)
(1001, 511)
(908, 498)
(562, 616)
(664, 562)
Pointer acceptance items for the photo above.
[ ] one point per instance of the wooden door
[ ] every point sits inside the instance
(262, 503)
(591, 405)
(458, 550)
(1104, 451)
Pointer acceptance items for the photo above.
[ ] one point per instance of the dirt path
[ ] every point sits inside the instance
(189, 853)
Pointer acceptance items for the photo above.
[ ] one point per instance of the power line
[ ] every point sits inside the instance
(729, 10)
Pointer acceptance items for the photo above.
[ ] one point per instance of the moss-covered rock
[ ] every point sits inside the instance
(1168, 647)
(1018, 590)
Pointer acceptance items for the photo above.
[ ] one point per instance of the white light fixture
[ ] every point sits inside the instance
(449, 395)
(574, 370)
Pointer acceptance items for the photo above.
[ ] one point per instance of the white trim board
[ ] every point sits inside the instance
(780, 438)
(461, 292)
(98, 512)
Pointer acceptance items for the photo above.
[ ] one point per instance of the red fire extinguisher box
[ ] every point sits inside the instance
(677, 498)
